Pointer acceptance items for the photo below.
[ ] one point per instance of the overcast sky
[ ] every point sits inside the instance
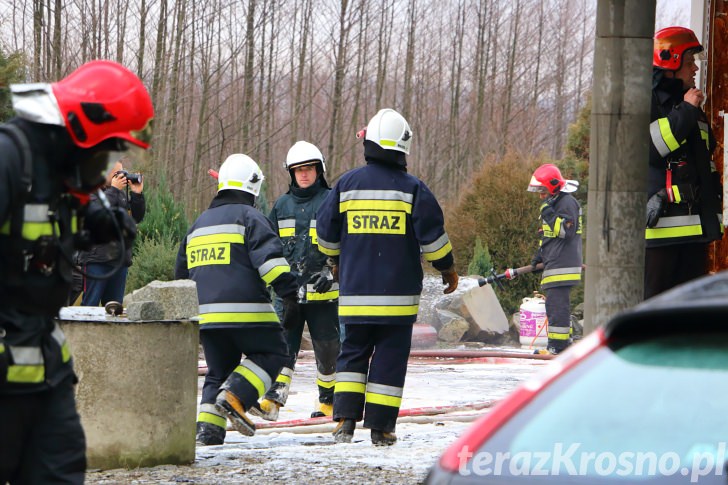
(672, 12)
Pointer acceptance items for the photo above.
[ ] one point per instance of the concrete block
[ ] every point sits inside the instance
(178, 299)
(481, 306)
(137, 390)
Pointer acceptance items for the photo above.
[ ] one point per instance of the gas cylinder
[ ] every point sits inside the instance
(534, 326)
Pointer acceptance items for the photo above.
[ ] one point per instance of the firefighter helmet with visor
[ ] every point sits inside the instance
(102, 100)
(304, 153)
(390, 130)
(671, 45)
(546, 178)
(240, 172)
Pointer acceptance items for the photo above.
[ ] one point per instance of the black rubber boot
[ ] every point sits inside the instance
(344, 431)
(209, 434)
(383, 438)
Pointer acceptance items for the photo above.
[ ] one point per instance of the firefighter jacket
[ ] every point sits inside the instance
(560, 247)
(379, 221)
(294, 218)
(233, 254)
(109, 252)
(680, 162)
(37, 223)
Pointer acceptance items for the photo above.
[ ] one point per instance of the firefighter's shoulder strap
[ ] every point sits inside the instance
(26, 179)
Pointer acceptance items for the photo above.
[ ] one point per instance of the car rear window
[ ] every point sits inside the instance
(649, 410)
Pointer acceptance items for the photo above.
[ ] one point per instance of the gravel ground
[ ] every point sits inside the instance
(285, 456)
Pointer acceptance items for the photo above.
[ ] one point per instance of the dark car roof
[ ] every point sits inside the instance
(700, 305)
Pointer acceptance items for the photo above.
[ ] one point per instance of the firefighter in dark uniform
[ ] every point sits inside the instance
(58, 149)
(294, 217)
(559, 250)
(378, 221)
(233, 254)
(684, 210)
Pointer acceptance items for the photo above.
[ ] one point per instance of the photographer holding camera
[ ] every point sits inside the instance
(123, 190)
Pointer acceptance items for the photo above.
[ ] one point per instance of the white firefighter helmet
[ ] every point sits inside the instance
(390, 130)
(304, 153)
(240, 172)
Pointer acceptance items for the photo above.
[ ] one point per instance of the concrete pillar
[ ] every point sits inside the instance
(137, 390)
(618, 162)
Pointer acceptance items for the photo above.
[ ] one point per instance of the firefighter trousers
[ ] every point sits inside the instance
(370, 374)
(323, 325)
(669, 266)
(248, 379)
(41, 438)
(558, 312)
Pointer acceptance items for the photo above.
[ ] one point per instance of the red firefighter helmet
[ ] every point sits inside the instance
(102, 100)
(670, 46)
(546, 178)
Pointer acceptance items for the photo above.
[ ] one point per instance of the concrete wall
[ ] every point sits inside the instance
(137, 394)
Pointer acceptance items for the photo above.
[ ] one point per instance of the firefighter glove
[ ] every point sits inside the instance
(536, 259)
(291, 312)
(323, 281)
(450, 278)
(655, 206)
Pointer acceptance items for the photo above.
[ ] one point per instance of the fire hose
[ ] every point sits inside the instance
(405, 415)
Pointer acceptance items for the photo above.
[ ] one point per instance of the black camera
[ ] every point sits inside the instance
(134, 178)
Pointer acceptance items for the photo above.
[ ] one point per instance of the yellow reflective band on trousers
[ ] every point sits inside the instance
(383, 399)
(384, 395)
(214, 419)
(283, 379)
(350, 382)
(357, 387)
(675, 226)
(559, 333)
(325, 384)
(256, 376)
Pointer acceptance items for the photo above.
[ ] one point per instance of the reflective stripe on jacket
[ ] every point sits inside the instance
(233, 254)
(561, 245)
(681, 141)
(380, 221)
(294, 217)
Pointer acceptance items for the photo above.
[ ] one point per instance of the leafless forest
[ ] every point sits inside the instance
(475, 78)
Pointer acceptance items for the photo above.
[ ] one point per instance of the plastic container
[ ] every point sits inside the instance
(534, 327)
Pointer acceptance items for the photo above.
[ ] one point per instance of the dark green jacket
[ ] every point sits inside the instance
(294, 218)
